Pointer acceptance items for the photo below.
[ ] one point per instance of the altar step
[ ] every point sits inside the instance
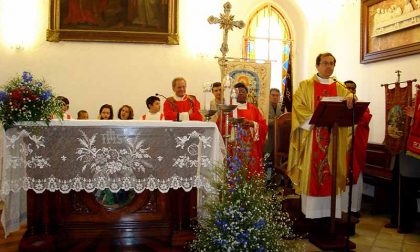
(110, 245)
(98, 244)
(11, 244)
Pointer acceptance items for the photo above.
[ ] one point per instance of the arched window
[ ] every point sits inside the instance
(268, 37)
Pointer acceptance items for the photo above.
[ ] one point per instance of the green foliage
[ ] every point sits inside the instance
(25, 99)
(244, 215)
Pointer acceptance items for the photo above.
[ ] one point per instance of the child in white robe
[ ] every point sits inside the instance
(153, 104)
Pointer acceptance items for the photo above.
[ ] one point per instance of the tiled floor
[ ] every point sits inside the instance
(371, 236)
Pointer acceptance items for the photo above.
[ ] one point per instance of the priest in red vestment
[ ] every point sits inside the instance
(310, 151)
(255, 126)
(181, 106)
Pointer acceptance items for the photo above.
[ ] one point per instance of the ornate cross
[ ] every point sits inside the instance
(226, 23)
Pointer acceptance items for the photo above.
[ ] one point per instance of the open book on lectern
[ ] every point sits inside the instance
(331, 110)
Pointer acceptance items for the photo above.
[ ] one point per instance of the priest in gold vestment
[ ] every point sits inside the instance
(310, 151)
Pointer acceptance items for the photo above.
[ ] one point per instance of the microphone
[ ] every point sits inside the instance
(336, 81)
(161, 96)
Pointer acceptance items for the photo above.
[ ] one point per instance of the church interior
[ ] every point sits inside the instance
(90, 72)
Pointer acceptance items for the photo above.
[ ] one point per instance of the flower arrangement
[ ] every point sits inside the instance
(27, 99)
(244, 215)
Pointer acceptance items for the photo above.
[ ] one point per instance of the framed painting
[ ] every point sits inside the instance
(389, 29)
(137, 21)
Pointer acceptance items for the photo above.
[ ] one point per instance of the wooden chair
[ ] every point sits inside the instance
(282, 128)
(378, 173)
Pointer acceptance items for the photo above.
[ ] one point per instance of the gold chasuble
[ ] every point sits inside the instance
(310, 153)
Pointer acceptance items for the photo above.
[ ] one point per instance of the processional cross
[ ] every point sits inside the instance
(226, 22)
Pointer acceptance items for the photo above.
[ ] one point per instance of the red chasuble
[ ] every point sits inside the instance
(320, 180)
(252, 113)
(171, 108)
(413, 143)
(361, 135)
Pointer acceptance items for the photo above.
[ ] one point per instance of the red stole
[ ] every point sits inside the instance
(171, 108)
(320, 181)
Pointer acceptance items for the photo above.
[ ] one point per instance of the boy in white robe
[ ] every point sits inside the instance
(153, 104)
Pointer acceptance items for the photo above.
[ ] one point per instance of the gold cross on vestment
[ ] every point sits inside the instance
(226, 23)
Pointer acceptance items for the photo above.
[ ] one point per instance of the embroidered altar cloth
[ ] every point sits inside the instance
(93, 154)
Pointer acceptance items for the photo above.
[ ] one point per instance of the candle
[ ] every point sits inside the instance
(227, 96)
(207, 97)
(234, 95)
(227, 90)
(234, 102)
(207, 105)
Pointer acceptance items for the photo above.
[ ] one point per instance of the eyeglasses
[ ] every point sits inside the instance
(324, 63)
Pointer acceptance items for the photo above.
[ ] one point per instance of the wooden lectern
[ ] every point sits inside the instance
(334, 114)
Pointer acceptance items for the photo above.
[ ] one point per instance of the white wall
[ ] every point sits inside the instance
(91, 74)
(334, 26)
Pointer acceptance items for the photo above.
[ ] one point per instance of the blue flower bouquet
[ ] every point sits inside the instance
(26, 99)
(244, 215)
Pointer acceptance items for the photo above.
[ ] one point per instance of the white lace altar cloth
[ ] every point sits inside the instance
(93, 154)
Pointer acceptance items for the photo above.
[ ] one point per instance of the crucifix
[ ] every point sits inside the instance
(226, 22)
(398, 72)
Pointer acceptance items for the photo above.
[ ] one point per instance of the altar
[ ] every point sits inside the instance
(53, 178)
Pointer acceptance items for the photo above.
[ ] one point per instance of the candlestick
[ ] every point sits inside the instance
(208, 113)
(226, 109)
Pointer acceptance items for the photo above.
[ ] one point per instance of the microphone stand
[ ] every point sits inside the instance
(164, 97)
(350, 179)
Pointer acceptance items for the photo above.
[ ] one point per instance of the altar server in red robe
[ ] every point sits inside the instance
(255, 125)
(181, 106)
(361, 136)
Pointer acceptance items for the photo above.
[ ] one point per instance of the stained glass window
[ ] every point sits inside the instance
(268, 37)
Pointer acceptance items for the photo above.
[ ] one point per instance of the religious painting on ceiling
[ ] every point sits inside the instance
(389, 29)
(138, 21)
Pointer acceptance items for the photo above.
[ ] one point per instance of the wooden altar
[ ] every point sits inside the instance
(77, 222)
